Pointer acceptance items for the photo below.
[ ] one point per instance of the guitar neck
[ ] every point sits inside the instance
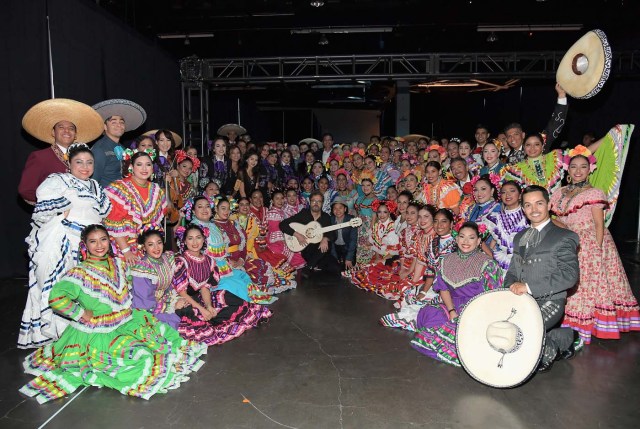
(334, 227)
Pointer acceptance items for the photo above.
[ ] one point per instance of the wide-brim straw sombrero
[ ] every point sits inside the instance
(414, 137)
(585, 67)
(310, 140)
(226, 128)
(500, 338)
(132, 113)
(41, 118)
(177, 140)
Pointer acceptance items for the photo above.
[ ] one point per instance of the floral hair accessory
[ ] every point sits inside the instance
(346, 174)
(360, 152)
(408, 157)
(332, 157)
(493, 178)
(441, 151)
(454, 140)
(483, 231)
(378, 145)
(181, 155)
(233, 203)
(467, 189)
(378, 161)
(413, 172)
(368, 175)
(579, 150)
(391, 205)
(151, 227)
(498, 144)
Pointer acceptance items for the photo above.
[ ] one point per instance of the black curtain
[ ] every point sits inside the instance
(95, 57)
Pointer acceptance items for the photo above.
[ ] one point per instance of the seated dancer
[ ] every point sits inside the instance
(439, 192)
(107, 343)
(545, 265)
(277, 253)
(293, 204)
(388, 281)
(384, 241)
(504, 225)
(602, 303)
(317, 255)
(217, 315)
(344, 247)
(249, 222)
(485, 194)
(232, 276)
(433, 244)
(152, 276)
(463, 275)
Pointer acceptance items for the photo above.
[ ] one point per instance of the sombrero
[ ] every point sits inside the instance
(226, 128)
(500, 338)
(414, 137)
(132, 113)
(176, 138)
(41, 118)
(310, 140)
(585, 67)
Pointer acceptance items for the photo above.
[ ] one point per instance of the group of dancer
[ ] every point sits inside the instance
(133, 276)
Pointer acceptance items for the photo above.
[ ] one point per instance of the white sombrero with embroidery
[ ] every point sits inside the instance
(226, 128)
(132, 113)
(585, 67)
(500, 337)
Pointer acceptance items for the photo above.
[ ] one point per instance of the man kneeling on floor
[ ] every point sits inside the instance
(317, 255)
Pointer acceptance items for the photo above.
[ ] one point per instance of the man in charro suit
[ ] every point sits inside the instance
(545, 265)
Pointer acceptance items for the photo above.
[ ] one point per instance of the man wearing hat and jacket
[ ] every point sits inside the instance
(119, 116)
(343, 248)
(545, 265)
(59, 122)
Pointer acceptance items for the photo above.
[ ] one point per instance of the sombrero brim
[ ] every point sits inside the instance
(310, 140)
(414, 137)
(132, 113)
(41, 118)
(475, 353)
(585, 79)
(224, 130)
(176, 138)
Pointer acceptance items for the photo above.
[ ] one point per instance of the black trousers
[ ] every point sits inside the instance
(324, 261)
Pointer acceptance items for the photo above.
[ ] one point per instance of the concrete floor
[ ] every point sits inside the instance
(323, 362)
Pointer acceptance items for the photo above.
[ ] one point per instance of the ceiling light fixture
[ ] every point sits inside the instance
(317, 3)
(341, 30)
(512, 28)
(492, 37)
(185, 36)
(323, 40)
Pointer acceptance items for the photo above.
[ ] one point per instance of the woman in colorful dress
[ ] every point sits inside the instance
(307, 188)
(136, 202)
(463, 275)
(286, 167)
(504, 225)
(382, 179)
(249, 223)
(364, 210)
(293, 204)
(180, 189)
(268, 280)
(412, 184)
(491, 155)
(439, 192)
(538, 169)
(343, 190)
(107, 343)
(328, 194)
(276, 247)
(217, 314)
(66, 203)
(466, 152)
(152, 276)
(431, 246)
(384, 241)
(602, 304)
(387, 280)
(485, 194)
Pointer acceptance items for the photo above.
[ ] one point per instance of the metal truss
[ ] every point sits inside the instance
(411, 67)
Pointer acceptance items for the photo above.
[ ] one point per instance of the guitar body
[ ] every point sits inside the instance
(312, 231)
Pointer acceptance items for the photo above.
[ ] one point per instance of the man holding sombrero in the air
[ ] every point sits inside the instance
(119, 116)
(232, 131)
(59, 122)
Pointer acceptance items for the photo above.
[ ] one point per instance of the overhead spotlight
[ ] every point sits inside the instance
(187, 42)
(323, 40)
(492, 37)
(317, 3)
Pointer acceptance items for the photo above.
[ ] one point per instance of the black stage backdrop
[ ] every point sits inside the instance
(95, 57)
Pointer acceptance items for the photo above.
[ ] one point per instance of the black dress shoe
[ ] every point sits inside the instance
(545, 366)
(567, 354)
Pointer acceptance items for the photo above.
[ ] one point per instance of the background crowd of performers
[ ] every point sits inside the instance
(143, 253)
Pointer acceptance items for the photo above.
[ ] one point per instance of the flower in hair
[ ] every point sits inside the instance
(441, 151)
(493, 178)
(408, 157)
(391, 205)
(579, 150)
(181, 155)
(333, 156)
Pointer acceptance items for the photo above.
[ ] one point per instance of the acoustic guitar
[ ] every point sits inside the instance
(313, 232)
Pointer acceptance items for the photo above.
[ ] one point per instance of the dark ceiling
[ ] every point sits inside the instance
(262, 28)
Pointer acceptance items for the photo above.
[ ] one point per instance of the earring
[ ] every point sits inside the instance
(569, 179)
(83, 251)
